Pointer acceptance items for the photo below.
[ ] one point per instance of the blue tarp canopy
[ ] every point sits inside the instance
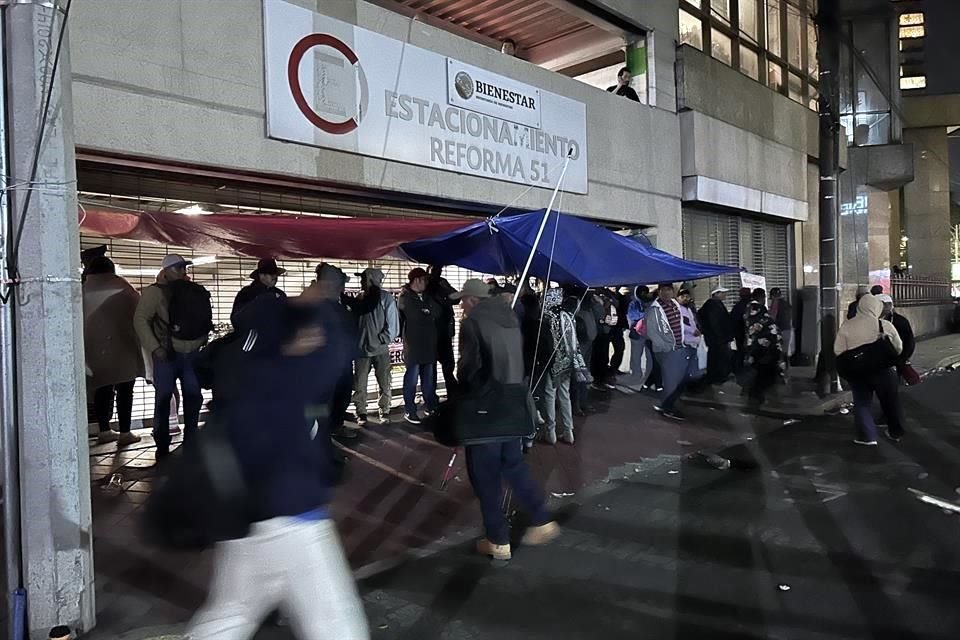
(583, 252)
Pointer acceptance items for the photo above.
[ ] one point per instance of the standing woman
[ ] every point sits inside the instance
(562, 369)
(860, 332)
(764, 348)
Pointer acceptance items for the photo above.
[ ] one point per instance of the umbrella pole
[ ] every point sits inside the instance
(536, 242)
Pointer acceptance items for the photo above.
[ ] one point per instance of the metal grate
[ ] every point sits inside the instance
(224, 276)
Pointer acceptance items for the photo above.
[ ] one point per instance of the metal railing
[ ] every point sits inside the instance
(909, 291)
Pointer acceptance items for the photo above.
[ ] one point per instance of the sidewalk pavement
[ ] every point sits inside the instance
(799, 398)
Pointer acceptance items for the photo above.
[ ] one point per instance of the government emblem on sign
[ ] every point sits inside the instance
(464, 84)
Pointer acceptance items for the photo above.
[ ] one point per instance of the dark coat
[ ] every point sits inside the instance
(491, 346)
(250, 293)
(902, 325)
(715, 323)
(440, 289)
(738, 318)
(784, 316)
(420, 316)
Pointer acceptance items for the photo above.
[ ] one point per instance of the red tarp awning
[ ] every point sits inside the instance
(268, 236)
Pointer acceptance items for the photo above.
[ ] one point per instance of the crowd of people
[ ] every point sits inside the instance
(562, 343)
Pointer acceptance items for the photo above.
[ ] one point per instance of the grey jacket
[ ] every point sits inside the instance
(379, 322)
(658, 328)
(491, 346)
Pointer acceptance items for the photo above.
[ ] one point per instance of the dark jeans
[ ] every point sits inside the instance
(677, 369)
(103, 405)
(762, 378)
(719, 360)
(885, 385)
(165, 376)
(619, 347)
(447, 364)
(427, 375)
(599, 362)
(488, 465)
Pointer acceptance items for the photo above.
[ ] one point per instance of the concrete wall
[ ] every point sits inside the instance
(155, 79)
(926, 203)
(928, 320)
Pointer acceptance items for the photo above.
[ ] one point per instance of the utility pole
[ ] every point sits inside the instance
(44, 426)
(828, 54)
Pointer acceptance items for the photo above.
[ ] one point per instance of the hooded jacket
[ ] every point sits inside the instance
(110, 342)
(379, 322)
(865, 327)
(491, 346)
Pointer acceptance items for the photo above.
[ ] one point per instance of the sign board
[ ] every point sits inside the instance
(752, 281)
(335, 85)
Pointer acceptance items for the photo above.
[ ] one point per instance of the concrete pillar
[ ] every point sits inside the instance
(54, 455)
(926, 201)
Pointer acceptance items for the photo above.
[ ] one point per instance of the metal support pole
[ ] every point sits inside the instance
(828, 24)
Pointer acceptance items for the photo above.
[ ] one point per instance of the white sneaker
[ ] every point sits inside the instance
(127, 439)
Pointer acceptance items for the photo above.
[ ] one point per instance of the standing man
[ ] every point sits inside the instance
(782, 314)
(439, 289)
(418, 317)
(265, 279)
(623, 88)
(491, 348)
(379, 326)
(334, 280)
(173, 321)
(718, 332)
(905, 331)
(678, 361)
(114, 361)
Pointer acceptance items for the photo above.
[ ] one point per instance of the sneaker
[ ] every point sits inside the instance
(361, 421)
(549, 436)
(673, 415)
(543, 534)
(127, 439)
(610, 386)
(411, 418)
(567, 438)
(383, 418)
(866, 443)
(495, 551)
(344, 433)
(658, 409)
(891, 437)
(107, 436)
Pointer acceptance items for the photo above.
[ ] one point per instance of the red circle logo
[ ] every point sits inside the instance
(293, 78)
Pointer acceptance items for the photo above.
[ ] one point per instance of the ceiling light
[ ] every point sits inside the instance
(193, 210)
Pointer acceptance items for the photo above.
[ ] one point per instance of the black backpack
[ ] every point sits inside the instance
(189, 310)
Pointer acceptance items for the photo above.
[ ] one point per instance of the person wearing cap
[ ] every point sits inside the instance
(419, 316)
(491, 348)
(379, 326)
(265, 278)
(715, 323)
(111, 347)
(172, 356)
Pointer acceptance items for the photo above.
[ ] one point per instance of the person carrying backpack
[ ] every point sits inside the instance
(173, 321)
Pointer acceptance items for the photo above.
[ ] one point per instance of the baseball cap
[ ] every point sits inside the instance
(473, 287)
(719, 290)
(174, 260)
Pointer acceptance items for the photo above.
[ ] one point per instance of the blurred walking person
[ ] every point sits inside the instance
(113, 357)
(678, 361)
(491, 348)
(764, 350)
(875, 343)
(291, 557)
(905, 331)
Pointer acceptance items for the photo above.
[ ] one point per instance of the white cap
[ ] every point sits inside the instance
(719, 290)
(885, 298)
(174, 260)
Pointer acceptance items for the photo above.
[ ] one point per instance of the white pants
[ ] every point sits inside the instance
(296, 565)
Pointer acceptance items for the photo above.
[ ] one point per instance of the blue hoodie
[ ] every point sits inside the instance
(275, 403)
